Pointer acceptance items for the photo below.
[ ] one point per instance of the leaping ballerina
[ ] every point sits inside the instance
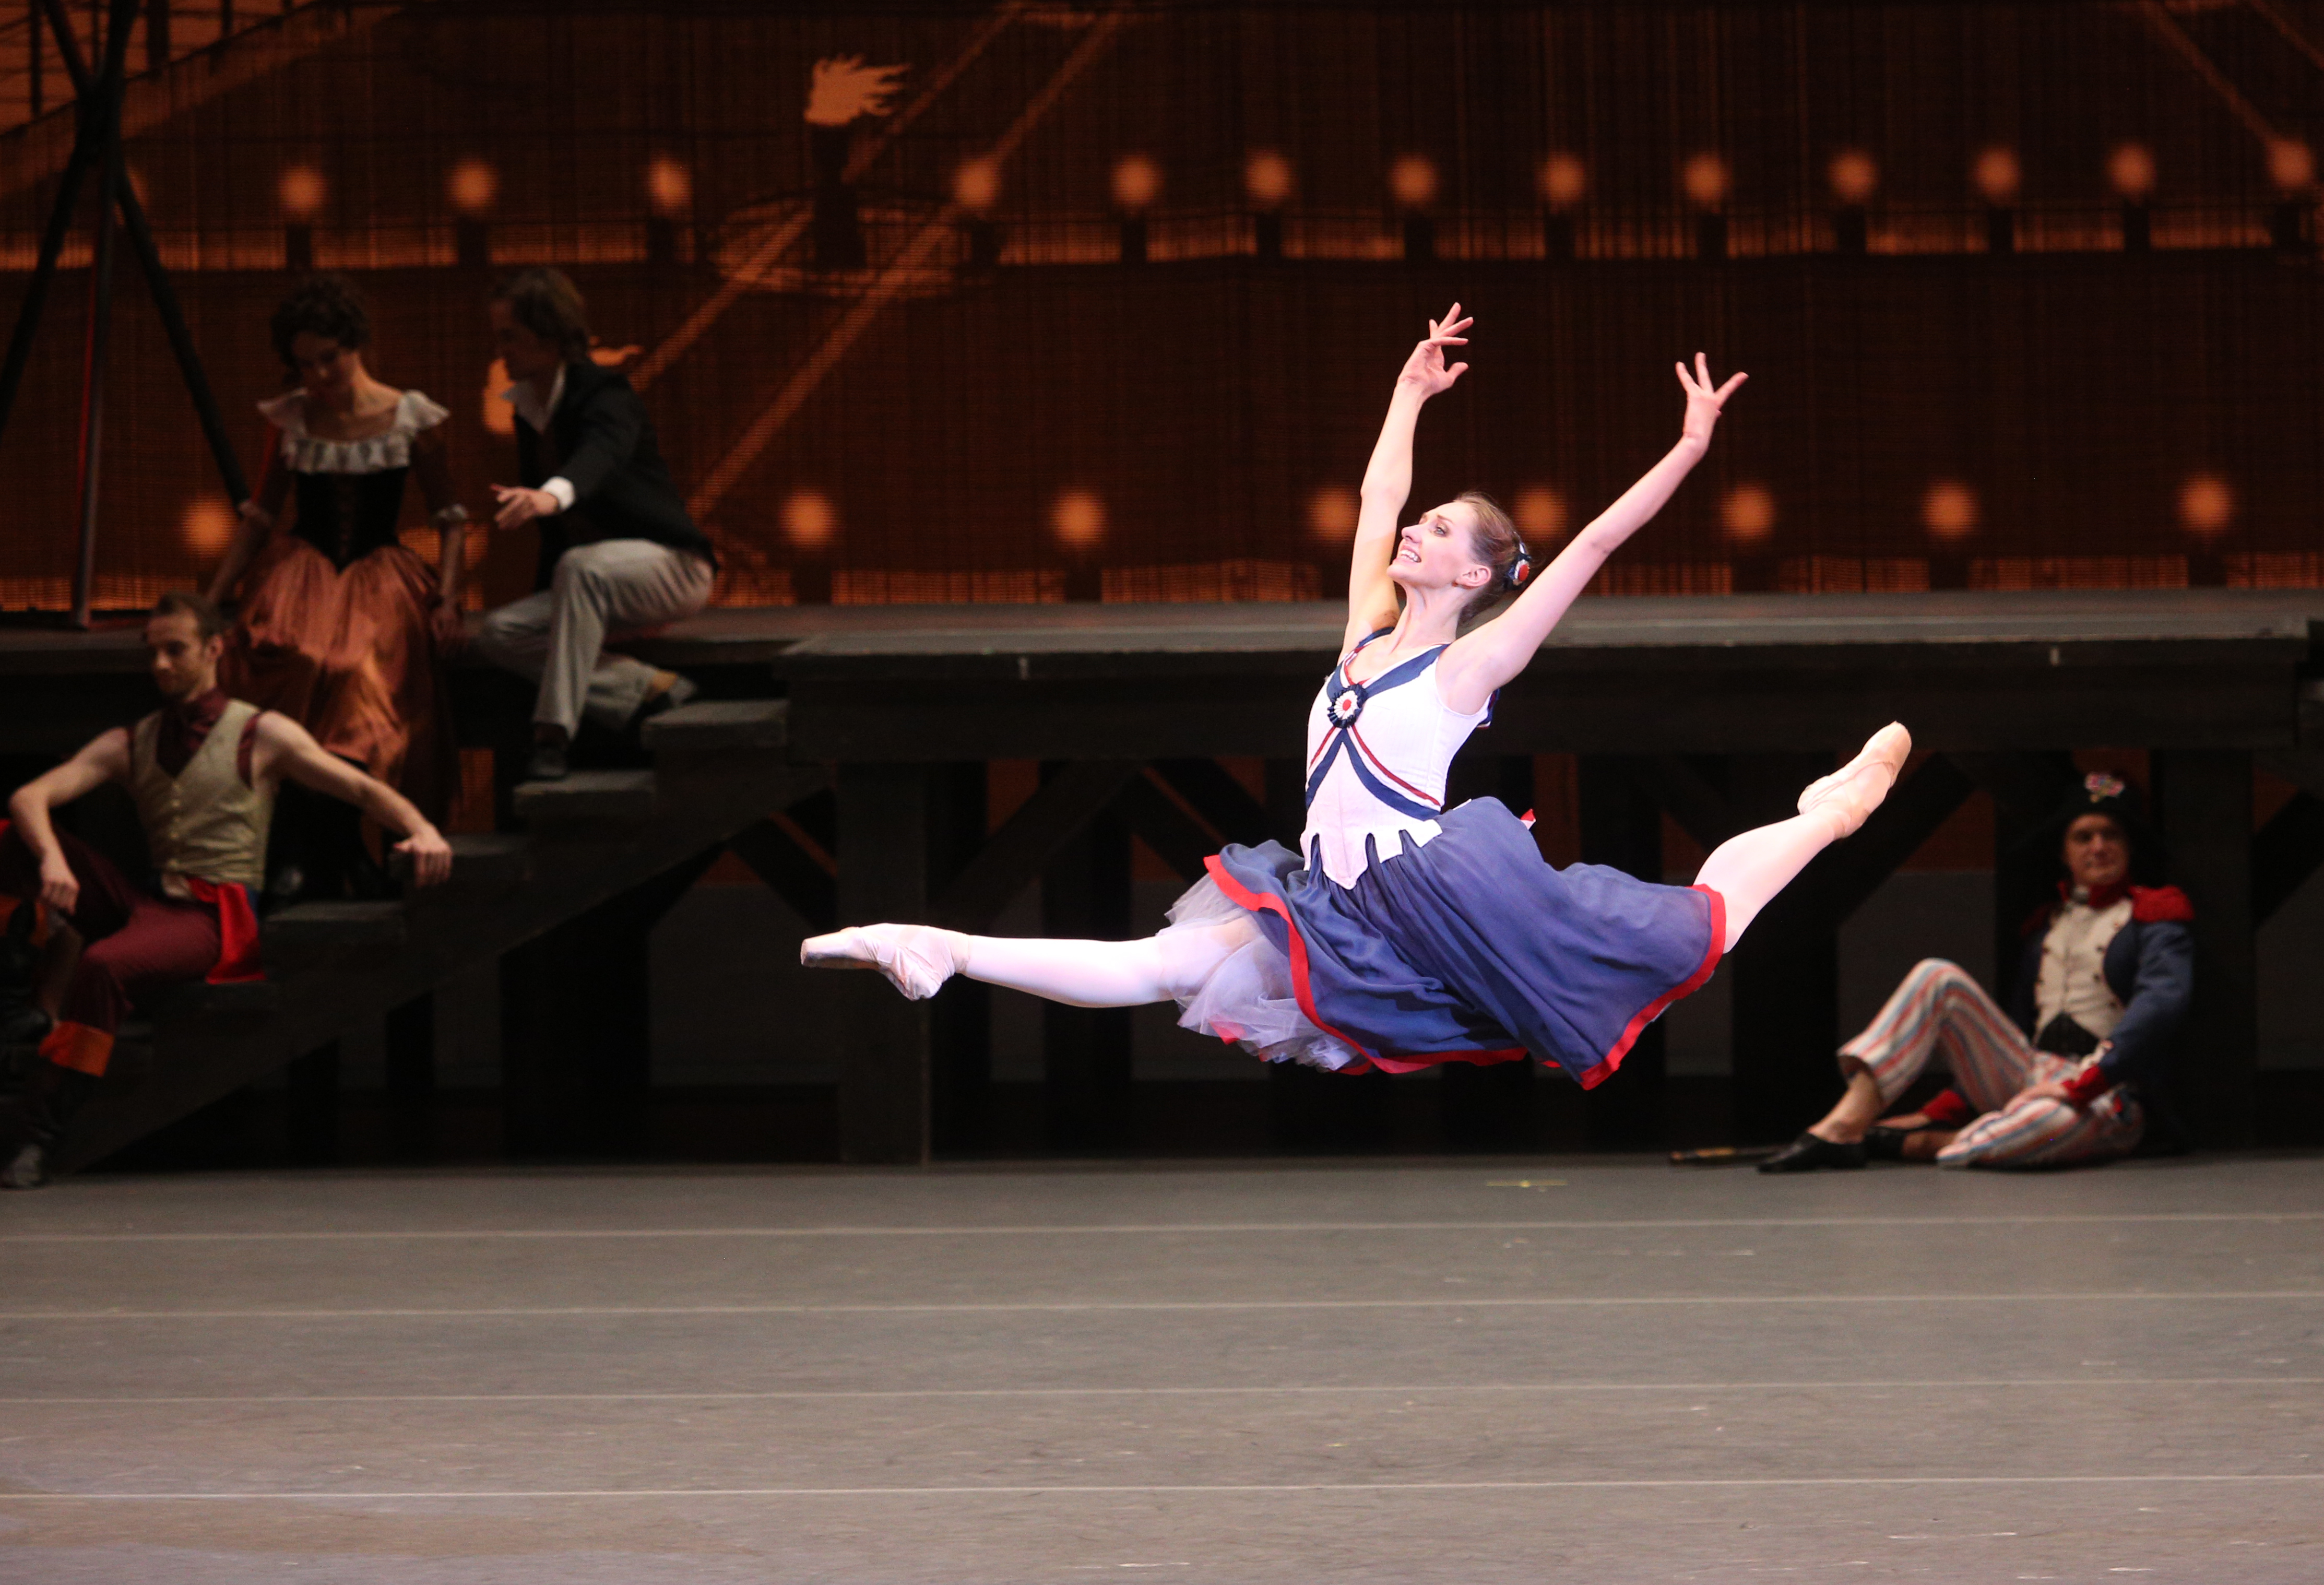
(1405, 933)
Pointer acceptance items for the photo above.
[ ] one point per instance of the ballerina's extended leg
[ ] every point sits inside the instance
(1750, 869)
(919, 958)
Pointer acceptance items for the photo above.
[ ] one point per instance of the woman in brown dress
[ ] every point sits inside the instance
(341, 624)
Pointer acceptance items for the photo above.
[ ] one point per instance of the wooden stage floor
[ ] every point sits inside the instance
(1475, 1372)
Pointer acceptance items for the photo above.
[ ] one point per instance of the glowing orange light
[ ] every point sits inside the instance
(1137, 182)
(1705, 180)
(1412, 179)
(2206, 505)
(1747, 515)
(473, 185)
(1564, 180)
(1997, 175)
(810, 522)
(2131, 170)
(1540, 512)
(1331, 512)
(2290, 164)
(669, 185)
(1949, 511)
(1853, 175)
(1078, 518)
(500, 413)
(208, 528)
(1266, 178)
(136, 179)
(976, 185)
(301, 192)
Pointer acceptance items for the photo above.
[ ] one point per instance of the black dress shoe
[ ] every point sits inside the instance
(1810, 1154)
(548, 764)
(660, 702)
(1885, 1144)
(26, 1167)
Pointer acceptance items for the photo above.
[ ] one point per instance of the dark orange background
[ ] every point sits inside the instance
(1205, 397)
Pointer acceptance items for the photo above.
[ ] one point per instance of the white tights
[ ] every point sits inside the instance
(1749, 868)
(1746, 871)
(1105, 974)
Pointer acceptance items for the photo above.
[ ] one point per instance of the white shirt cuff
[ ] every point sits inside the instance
(562, 488)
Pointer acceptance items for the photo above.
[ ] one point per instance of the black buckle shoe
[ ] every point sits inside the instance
(1807, 1153)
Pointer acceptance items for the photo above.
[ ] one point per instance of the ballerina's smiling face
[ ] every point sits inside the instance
(1440, 550)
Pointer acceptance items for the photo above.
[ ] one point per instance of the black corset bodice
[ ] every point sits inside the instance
(347, 516)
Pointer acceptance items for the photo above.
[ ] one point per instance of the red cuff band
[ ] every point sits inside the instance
(1950, 1109)
(2089, 1085)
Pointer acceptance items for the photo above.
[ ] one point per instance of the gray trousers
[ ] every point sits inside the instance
(557, 636)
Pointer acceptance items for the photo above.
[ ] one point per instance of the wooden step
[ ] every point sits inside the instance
(332, 932)
(484, 864)
(587, 797)
(203, 1000)
(716, 725)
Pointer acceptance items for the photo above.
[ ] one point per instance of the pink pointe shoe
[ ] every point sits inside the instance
(1854, 790)
(918, 959)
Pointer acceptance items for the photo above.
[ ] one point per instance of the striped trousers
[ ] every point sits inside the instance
(1939, 1012)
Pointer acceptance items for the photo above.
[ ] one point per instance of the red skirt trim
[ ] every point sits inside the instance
(1243, 897)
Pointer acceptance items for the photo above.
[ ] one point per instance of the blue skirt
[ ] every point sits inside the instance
(1470, 948)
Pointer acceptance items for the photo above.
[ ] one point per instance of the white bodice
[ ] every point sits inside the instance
(1377, 757)
(306, 453)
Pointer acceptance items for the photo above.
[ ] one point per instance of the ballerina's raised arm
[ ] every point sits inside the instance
(1493, 652)
(1387, 479)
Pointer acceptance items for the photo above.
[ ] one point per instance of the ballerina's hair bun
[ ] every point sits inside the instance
(1494, 539)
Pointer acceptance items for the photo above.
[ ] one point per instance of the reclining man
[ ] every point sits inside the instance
(203, 770)
(2102, 984)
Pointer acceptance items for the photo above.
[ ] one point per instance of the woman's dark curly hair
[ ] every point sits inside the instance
(325, 305)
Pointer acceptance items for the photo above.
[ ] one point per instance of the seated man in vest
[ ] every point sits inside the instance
(2102, 983)
(203, 770)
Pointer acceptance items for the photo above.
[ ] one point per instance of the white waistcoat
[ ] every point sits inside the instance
(2072, 979)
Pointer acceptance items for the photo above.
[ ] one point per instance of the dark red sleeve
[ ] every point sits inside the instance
(2161, 905)
(242, 750)
(1950, 1109)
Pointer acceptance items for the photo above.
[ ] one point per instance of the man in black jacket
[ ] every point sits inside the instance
(617, 548)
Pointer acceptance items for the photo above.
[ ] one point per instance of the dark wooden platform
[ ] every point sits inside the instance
(1745, 673)
(2185, 668)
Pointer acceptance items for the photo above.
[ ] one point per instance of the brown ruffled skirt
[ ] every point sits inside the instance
(350, 656)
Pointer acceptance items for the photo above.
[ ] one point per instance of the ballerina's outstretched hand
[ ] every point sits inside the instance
(1425, 371)
(1495, 651)
(1704, 404)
